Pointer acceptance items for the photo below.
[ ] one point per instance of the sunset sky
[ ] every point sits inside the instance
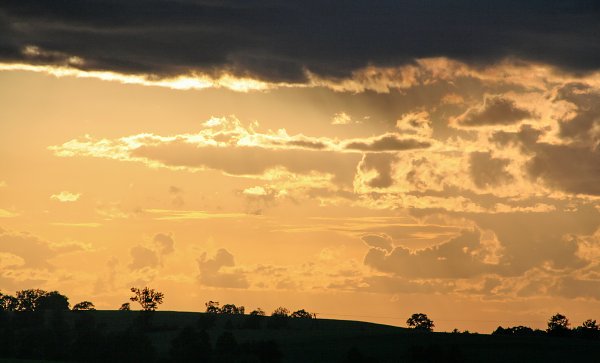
(363, 160)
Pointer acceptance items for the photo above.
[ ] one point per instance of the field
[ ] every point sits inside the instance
(323, 340)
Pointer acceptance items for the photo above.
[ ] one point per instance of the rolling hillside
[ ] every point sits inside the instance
(296, 340)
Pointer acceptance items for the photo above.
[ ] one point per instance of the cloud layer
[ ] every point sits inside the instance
(284, 41)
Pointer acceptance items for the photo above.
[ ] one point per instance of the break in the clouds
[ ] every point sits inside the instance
(286, 41)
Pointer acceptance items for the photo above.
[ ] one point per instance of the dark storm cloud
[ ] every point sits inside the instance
(280, 40)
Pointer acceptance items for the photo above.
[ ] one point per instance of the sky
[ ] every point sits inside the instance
(361, 160)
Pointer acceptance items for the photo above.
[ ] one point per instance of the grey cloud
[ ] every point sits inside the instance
(393, 285)
(143, 257)
(570, 168)
(455, 258)
(252, 160)
(9, 281)
(573, 168)
(383, 242)
(165, 243)
(487, 171)
(382, 164)
(34, 251)
(584, 128)
(308, 144)
(279, 40)
(211, 274)
(176, 194)
(532, 240)
(572, 287)
(387, 143)
(495, 110)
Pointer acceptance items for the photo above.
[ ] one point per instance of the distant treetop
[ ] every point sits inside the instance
(420, 321)
(149, 299)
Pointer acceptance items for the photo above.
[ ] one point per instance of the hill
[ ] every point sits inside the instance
(93, 335)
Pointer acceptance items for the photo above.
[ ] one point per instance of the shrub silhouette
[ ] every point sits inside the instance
(125, 307)
(522, 331)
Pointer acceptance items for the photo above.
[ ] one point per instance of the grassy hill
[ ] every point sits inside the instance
(324, 340)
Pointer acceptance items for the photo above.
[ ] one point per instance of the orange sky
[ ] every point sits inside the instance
(470, 194)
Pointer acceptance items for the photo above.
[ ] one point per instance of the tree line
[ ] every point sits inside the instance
(558, 326)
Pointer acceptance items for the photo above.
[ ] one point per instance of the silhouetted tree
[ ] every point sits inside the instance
(558, 325)
(149, 299)
(420, 321)
(26, 300)
(281, 312)
(125, 307)
(590, 324)
(8, 302)
(52, 300)
(279, 318)
(190, 346)
(212, 307)
(232, 309)
(84, 305)
(517, 331)
(303, 314)
(588, 329)
(257, 312)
